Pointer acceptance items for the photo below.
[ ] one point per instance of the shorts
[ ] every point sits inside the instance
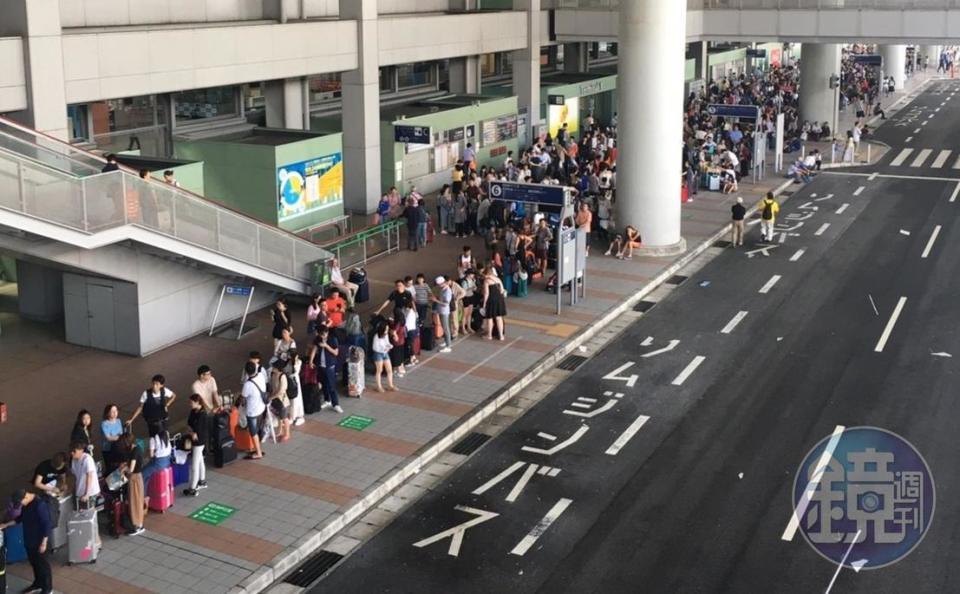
(381, 356)
(541, 253)
(253, 426)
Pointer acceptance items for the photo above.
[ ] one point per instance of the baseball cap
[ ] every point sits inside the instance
(440, 280)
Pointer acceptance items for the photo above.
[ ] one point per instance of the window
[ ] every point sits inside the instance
(488, 65)
(325, 87)
(131, 123)
(386, 79)
(204, 104)
(420, 74)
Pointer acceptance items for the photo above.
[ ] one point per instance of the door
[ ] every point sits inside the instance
(100, 316)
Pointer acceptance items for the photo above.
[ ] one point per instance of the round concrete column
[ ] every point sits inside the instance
(818, 102)
(652, 49)
(895, 63)
(932, 52)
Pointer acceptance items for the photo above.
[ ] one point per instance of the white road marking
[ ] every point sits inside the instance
(567, 442)
(933, 238)
(956, 191)
(537, 531)
(942, 103)
(873, 303)
(670, 346)
(890, 324)
(843, 208)
(547, 436)
(898, 161)
(909, 138)
(553, 472)
(827, 197)
(734, 322)
(783, 238)
(599, 411)
(627, 435)
(924, 122)
(486, 359)
(522, 483)
(647, 341)
(580, 405)
(941, 159)
(794, 524)
(843, 562)
(873, 176)
(584, 399)
(859, 190)
(918, 162)
(917, 131)
(936, 110)
(496, 480)
(822, 228)
(930, 116)
(769, 285)
(688, 370)
(797, 255)
(892, 176)
(455, 534)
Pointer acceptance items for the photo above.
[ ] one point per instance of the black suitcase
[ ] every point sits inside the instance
(224, 448)
(476, 320)
(311, 398)
(358, 276)
(427, 338)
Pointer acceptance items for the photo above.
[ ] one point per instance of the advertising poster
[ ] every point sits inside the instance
(568, 113)
(310, 185)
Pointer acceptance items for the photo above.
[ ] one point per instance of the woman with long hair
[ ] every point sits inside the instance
(381, 355)
(132, 462)
(81, 430)
(199, 424)
(494, 304)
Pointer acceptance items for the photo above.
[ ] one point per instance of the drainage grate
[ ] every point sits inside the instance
(313, 568)
(676, 279)
(644, 306)
(470, 443)
(722, 244)
(571, 362)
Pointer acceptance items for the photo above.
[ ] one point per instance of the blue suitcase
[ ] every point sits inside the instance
(181, 473)
(13, 540)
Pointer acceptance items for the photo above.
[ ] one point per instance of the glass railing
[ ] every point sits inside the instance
(107, 200)
(775, 4)
(49, 151)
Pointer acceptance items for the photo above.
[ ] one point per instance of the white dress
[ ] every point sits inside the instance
(296, 404)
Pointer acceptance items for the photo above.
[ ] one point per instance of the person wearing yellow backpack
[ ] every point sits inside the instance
(768, 209)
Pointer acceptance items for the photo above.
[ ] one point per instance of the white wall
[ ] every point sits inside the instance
(435, 37)
(13, 87)
(108, 13)
(408, 6)
(110, 64)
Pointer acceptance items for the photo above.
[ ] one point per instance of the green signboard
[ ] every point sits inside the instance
(213, 513)
(356, 422)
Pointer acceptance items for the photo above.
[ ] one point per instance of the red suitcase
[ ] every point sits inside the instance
(160, 490)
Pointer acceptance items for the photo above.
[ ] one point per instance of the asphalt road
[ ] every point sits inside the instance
(670, 511)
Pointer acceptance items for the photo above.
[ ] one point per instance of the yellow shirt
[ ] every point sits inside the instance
(774, 208)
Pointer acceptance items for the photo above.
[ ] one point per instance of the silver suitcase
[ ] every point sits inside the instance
(61, 508)
(82, 532)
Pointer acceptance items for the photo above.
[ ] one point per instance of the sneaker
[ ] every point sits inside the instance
(299, 422)
(139, 530)
(201, 484)
(190, 493)
(325, 406)
(338, 409)
(446, 350)
(607, 253)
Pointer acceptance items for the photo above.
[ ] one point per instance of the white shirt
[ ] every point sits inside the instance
(381, 344)
(167, 394)
(159, 449)
(734, 161)
(810, 161)
(81, 469)
(410, 320)
(252, 396)
(336, 277)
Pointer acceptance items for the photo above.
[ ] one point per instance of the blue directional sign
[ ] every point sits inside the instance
(238, 290)
(868, 59)
(412, 134)
(743, 112)
(531, 193)
(756, 53)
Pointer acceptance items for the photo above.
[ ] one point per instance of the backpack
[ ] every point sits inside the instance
(292, 391)
(264, 396)
(767, 210)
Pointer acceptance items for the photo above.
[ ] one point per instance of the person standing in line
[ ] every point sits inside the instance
(768, 208)
(281, 320)
(111, 427)
(279, 401)
(292, 370)
(206, 386)
(253, 392)
(323, 357)
(154, 404)
(84, 470)
(739, 212)
(381, 355)
(469, 157)
(441, 306)
(37, 530)
(132, 457)
(199, 424)
(584, 221)
(494, 306)
(81, 429)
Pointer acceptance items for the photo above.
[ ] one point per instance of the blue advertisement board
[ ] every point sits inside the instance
(309, 185)
(744, 112)
(532, 193)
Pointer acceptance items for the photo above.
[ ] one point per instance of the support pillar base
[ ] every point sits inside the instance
(662, 251)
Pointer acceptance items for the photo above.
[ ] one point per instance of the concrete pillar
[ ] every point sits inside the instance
(652, 53)
(287, 103)
(361, 112)
(465, 75)
(526, 68)
(818, 102)
(932, 52)
(575, 58)
(38, 23)
(895, 63)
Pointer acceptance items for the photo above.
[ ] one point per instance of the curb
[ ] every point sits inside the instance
(312, 541)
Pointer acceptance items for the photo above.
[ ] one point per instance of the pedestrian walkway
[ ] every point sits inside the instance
(289, 502)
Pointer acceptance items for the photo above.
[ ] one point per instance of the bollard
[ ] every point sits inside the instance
(869, 146)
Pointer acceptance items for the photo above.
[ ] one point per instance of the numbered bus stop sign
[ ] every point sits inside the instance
(412, 134)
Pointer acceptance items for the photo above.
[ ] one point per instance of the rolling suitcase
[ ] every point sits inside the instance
(13, 540)
(356, 380)
(358, 276)
(427, 340)
(60, 509)
(242, 440)
(224, 451)
(181, 472)
(117, 516)
(160, 490)
(82, 531)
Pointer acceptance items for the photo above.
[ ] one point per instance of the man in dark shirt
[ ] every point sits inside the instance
(739, 212)
(412, 214)
(50, 475)
(111, 164)
(398, 297)
(35, 517)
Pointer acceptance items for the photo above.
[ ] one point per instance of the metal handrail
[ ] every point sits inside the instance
(774, 4)
(368, 244)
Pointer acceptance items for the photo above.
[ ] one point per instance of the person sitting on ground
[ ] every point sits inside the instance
(623, 245)
(729, 177)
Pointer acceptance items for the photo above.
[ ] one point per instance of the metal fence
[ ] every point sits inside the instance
(366, 245)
